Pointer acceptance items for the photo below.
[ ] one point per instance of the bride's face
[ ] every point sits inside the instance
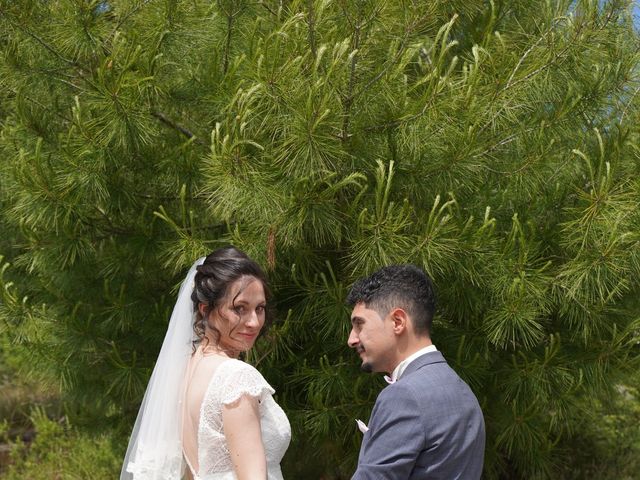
(241, 315)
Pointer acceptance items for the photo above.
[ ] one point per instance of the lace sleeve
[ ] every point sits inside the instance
(243, 379)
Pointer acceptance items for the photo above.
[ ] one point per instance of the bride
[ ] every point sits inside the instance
(207, 415)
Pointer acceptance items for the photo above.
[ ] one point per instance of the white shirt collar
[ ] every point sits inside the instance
(400, 368)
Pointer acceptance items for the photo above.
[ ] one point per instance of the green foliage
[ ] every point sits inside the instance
(494, 143)
(19, 394)
(60, 452)
(606, 441)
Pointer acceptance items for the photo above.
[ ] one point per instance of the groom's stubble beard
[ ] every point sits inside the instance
(365, 366)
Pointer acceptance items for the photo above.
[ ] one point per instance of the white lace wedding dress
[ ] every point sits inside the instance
(229, 380)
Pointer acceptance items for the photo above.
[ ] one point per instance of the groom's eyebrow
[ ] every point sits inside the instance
(356, 319)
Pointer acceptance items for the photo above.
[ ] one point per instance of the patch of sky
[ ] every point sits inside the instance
(102, 7)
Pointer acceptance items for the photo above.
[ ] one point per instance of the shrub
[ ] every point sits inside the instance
(61, 452)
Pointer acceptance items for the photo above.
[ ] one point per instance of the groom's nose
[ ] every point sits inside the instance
(353, 339)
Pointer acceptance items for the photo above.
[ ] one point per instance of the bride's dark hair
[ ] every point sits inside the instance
(220, 269)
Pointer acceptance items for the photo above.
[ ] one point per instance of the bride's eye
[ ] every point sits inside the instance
(239, 309)
(260, 309)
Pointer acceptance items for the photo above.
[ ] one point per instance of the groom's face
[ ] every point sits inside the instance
(372, 337)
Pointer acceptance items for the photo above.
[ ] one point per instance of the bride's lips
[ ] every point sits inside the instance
(248, 336)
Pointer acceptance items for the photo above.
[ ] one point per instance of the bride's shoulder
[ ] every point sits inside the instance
(238, 366)
(236, 378)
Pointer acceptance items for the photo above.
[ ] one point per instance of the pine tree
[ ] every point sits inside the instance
(493, 143)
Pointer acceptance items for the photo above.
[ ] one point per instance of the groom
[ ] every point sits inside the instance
(427, 423)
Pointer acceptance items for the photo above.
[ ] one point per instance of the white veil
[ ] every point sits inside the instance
(155, 446)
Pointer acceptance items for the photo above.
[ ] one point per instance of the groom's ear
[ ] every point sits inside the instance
(400, 320)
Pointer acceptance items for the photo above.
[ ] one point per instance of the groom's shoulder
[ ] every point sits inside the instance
(398, 393)
(431, 372)
(429, 364)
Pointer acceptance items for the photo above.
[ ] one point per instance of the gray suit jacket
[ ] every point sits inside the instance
(428, 425)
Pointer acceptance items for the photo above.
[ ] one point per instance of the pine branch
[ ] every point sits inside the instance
(81, 70)
(510, 84)
(569, 44)
(348, 99)
(176, 126)
(68, 83)
(522, 59)
(505, 141)
(538, 70)
(311, 22)
(128, 15)
(396, 123)
(231, 15)
(227, 45)
(48, 47)
(156, 197)
(268, 8)
(112, 227)
(49, 109)
(628, 104)
(401, 49)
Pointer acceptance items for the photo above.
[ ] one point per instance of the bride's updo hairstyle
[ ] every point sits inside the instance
(219, 270)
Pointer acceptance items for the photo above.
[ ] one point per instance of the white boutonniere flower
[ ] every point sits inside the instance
(362, 426)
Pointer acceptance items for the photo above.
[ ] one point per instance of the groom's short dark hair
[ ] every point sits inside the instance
(404, 286)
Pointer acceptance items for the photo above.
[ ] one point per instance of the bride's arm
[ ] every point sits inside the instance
(241, 423)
